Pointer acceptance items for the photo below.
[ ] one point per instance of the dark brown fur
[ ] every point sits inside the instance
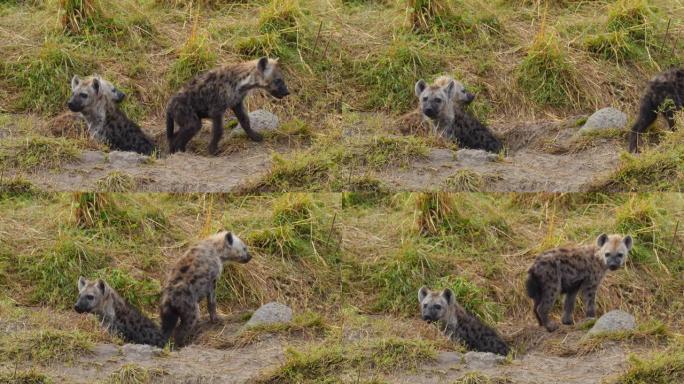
(210, 94)
(668, 85)
(459, 324)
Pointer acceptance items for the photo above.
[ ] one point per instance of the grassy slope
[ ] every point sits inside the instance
(526, 60)
(337, 259)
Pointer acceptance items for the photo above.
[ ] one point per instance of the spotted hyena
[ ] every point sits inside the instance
(443, 104)
(193, 278)
(571, 270)
(210, 94)
(664, 94)
(459, 324)
(106, 122)
(116, 315)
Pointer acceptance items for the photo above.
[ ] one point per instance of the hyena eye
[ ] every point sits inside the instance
(83, 95)
(438, 100)
(424, 305)
(425, 98)
(437, 307)
(620, 255)
(90, 297)
(607, 254)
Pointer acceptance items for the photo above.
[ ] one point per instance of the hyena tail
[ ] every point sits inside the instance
(169, 319)
(169, 125)
(534, 289)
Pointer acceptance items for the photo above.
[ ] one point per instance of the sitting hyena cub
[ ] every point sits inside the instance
(443, 104)
(667, 86)
(458, 323)
(570, 270)
(117, 316)
(193, 278)
(106, 122)
(210, 94)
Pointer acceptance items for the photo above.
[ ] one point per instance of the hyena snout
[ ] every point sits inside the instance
(280, 90)
(430, 111)
(75, 105)
(246, 258)
(469, 97)
(81, 307)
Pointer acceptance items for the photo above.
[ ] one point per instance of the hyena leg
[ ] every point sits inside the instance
(536, 313)
(670, 117)
(589, 299)
(243, 119)
(216, 133)
(569, 307)
(546, 302)
(211, 303)
(188, 321)
(646, 117)
(188, 128)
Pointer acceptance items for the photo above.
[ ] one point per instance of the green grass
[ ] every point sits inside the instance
(547, 75)
(44, 346)
(24, 377)
(661, 368)
(193, 57)
(323, 363)
(134, 374)
(116, 181)
(37, 152)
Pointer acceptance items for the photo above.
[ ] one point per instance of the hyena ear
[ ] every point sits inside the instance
(81, 282)
(96, 85)
(628, 242)
(422, 293)
(420, 86)
(262, 65)
(101, 286)
(450, 89)
(229, 238)
(75, 81)
(601, 239)
(448, 296)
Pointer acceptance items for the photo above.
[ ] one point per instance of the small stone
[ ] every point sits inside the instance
(271, 313)
(260, 121)
(603, 119)
(613, 321)
(483, 360)
(125, 158)
(475, 156)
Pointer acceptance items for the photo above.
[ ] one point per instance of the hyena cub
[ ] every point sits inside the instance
(443, 104)
(664, 94)
(106, 122)
(193, 278)
(117, 316)
(458, 323)
(210, 94)
(570, 270)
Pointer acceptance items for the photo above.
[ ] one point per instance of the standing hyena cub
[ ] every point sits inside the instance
(443, 104)
(193, 278)
(570, 270)
(116, 315)
(106, 122)
(668, 85)
(210, 94)
(458, 323)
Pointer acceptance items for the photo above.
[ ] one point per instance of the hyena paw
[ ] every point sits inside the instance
(568, 321)
(551, 326)
(256, 137)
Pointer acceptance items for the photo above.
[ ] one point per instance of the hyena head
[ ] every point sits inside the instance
(87, 92)
(233, 248)
(461, 95)
(434, 305)
(613, 250)
(270, 77)
(435, 100)
(91, 295)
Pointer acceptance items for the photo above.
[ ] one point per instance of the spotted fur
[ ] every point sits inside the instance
(571, 270)
(459, 324)
(210, 94)
(193, 278)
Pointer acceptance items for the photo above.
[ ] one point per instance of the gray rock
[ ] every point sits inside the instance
(260, 121)
(449, 358)
(612, 321)
(125, 159)
(483, 360)
(92, 157)
(475, 156)
(606, 118)
(271, 313)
